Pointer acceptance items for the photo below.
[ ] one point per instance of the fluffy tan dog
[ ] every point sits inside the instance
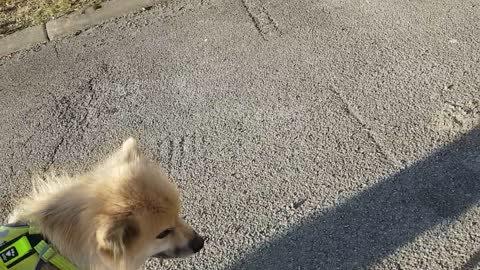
(113, 217)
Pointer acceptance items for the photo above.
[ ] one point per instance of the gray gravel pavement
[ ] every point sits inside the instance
(303, 134)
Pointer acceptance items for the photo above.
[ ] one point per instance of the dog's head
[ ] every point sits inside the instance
(137, 211)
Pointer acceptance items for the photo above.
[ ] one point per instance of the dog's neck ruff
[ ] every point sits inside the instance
(22, 247)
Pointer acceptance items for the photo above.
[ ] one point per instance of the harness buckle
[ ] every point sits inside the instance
(44, 250)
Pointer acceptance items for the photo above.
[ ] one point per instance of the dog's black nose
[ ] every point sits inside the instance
(196, 244)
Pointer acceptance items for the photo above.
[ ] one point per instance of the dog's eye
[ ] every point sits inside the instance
(164, 233)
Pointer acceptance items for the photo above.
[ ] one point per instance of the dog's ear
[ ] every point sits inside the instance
(114, 236)
(128, 153)
(129, 150)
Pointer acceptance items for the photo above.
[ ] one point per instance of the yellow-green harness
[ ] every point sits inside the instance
(22, 247)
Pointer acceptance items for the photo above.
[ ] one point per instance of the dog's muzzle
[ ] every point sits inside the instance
(194, 245)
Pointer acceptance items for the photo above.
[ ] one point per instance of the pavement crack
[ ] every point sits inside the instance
(449, 16)
(372, 135)
(91, 92)
(56, 51)
(27, 141)
(11, 172)
(171, 146)
(262, 20)
(53, 154)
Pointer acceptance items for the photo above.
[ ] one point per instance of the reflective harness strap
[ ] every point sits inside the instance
(26, 248)
(48, 254)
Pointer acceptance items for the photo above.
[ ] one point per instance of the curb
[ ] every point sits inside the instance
(69, 24)
(23, 39)
(89, 17)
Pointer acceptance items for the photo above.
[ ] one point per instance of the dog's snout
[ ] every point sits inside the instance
(196, 244)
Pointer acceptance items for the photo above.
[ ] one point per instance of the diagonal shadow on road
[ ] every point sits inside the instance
(383, 218)
(472, 262)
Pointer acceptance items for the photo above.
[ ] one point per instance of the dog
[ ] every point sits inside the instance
(115, 216)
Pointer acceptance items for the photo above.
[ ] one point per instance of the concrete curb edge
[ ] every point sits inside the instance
(23, 39)
(69, 24)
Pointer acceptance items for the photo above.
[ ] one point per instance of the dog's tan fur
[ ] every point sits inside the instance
(110, 217)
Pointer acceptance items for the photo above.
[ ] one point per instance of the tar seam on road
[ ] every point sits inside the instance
(262, 20)
(373, 136)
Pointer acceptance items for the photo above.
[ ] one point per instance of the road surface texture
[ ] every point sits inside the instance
(303, 134)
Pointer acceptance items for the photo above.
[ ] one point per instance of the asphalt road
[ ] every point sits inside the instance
(303, 134)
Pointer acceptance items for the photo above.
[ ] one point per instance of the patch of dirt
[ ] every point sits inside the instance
(458, 117)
